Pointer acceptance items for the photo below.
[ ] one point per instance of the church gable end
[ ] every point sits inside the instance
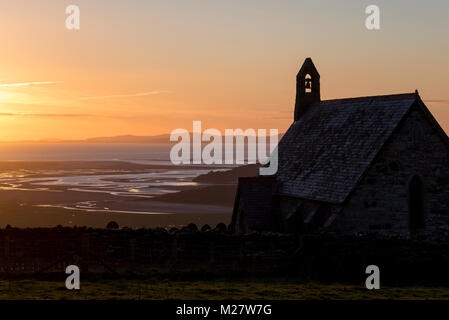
(406, 189)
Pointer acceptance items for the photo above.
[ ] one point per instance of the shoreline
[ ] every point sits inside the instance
(58, 206)
(27, 203)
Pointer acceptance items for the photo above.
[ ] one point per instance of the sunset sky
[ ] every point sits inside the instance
(147, 67)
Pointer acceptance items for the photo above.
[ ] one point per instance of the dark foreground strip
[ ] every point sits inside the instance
(198, 309)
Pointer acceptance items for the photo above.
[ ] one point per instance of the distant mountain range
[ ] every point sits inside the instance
(163, 138)
(157, 139)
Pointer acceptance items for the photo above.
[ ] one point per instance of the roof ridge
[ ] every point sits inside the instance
(399, 96)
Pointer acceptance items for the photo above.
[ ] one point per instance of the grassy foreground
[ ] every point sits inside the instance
(207, 289)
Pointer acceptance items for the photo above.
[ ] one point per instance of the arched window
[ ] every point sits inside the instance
(308, 83)
(416, 205)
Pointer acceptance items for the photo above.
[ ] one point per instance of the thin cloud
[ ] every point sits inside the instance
(438, 101)
(26, 84)
(139, 94)
(44, 115)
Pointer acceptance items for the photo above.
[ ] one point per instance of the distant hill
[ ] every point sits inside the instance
(221, 194)
(229, 176)
(162, 138)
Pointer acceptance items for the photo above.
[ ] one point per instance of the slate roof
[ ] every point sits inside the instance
(323, 155)
(256, 194)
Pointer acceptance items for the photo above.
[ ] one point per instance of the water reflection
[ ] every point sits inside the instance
(136, 184)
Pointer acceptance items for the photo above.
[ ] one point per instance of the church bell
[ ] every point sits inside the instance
(308, 83)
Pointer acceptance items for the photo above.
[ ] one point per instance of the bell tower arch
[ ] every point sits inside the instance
(307, 87)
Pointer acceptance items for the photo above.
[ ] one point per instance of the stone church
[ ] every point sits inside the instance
(368, 165)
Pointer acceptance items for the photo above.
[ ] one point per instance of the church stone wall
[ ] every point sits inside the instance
(380, 202)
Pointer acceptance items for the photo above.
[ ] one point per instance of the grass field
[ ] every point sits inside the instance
(277, 289)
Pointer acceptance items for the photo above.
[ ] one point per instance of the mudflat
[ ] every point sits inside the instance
(32, 195)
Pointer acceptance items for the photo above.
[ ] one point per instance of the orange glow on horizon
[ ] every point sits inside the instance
(155, 68)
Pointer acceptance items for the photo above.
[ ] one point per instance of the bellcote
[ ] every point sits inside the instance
(307, 87)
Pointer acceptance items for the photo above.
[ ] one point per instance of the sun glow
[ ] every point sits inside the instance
(8, 97)
(167, 69)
